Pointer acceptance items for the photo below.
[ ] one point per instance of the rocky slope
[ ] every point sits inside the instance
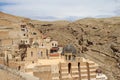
(95, 39)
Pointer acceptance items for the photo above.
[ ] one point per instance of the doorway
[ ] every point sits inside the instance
(69, 68)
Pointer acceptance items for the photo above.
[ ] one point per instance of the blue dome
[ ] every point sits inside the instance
(69, 49)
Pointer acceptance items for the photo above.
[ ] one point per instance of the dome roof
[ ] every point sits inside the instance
(35, 44)
(69, 49)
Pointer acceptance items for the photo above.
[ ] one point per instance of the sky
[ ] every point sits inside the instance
(50, 10)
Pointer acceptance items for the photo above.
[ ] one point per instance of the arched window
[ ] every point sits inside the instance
(69, 57)
(69, 68)
(19, 67)
(52, 44)
(79, 66)
(79, 70)
(47, 52)
(31, 53)
(41, 54)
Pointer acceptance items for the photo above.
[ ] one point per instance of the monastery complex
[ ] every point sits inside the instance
(27, 50)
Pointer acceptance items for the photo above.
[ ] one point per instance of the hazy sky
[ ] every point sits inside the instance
(61, 9)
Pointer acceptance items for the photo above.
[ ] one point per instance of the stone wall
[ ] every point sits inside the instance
(11, 74)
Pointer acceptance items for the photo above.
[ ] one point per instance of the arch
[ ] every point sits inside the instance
(78, 64)
(69, 67)
(31, 54)
(52, 44)
(69, 57)
(65, 57)
(41, 54)
(79, 70)
(55, 45)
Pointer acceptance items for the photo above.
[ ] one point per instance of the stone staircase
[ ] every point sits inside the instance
(75, 72)
(55, 72)
(64, 73)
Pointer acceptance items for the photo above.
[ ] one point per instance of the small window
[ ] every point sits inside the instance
(19, 67)
(31, 53)
(52, 44)
(32, 61)
(16, 59)
(22, 29)
(55, 45)
(23, 34)
(34, 33)
(42, 45)
(41, 53)
(23, 26)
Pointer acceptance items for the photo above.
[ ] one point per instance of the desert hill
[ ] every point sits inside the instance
(95, 39)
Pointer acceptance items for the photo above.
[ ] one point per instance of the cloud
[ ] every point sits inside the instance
(60, 9)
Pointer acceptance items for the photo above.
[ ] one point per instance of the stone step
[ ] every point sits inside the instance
(92, 69)
(64, 72)
(84, 70)
(74, 67)
(93, 74)
(75, 75)
(83, 66)
(75, 71)
(67, 76)
(55, 78)
(84, 74)
(54, 75)
(64, 67)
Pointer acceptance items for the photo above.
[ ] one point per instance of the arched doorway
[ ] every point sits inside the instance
(19, 67)
(79, 70)
(69, 68)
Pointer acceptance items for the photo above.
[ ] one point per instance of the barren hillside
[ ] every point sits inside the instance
(95, 39)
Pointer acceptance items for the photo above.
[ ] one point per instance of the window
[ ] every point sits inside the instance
(23, 26)
(78, 66)
(34, 33)
(52, 44)
(31, 53)
(19, 67)
(32, 61)
(55, 45)
(23, 34)
(22, 29)
(41, 53)
(69, 57)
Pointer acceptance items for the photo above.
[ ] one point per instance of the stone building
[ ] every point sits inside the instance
(32, 55)
(42, 57)
(69, 52)
(68, 67)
